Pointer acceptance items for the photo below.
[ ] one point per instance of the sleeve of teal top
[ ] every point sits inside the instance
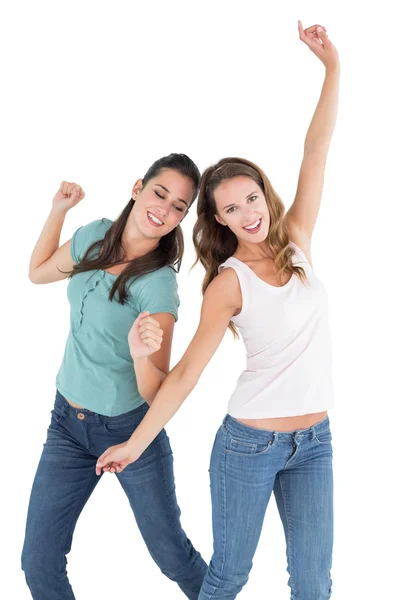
(85, 236)
(159, 293)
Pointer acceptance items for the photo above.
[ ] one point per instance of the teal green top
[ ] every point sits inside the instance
(97, 370)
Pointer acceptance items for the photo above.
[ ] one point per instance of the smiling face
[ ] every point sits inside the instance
(162, 203)
(241, 206)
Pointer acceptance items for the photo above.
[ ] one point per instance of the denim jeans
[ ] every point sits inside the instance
(247, 464)
(66, 478)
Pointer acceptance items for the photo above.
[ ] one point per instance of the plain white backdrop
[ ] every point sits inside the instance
(94, 92)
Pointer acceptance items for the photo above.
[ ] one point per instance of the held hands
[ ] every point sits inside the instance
(68, 196)
(317, 40)
(145, 336)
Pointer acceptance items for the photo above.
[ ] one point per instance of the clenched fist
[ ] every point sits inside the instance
(68, 196)
(145, 336)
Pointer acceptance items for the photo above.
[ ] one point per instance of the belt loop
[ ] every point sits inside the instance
(313, 434)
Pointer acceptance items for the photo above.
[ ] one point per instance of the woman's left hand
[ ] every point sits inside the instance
(317, 40)
(116, 458)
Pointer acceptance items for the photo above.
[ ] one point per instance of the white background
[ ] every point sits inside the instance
(94, 92)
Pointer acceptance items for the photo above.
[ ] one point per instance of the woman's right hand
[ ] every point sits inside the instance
(145, 336)
(68, 196)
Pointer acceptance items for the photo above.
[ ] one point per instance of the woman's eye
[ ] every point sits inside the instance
(159, 195)
(253, 198)
(231, 209)
(178, 208)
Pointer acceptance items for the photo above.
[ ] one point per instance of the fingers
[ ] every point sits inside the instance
(112, 467)
(314, 28)
(151, 327)
(302, 34)
(102, 462)
(151, 333)
(323, 37)
(72, 190)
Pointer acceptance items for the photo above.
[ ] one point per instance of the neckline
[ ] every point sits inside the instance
(274, 287)
(112, 274)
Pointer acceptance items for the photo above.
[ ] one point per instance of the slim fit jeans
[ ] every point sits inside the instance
(247, 464)
(66, 478)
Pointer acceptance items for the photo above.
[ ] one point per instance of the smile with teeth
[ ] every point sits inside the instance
(154, 219)
(253, 225)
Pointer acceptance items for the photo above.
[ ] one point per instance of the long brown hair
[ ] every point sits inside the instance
(215, 243)
(108, 252)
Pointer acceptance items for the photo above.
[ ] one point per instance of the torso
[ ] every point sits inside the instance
(117, 270)
(264, 269)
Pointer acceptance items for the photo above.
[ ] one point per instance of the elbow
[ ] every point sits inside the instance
(33, 278)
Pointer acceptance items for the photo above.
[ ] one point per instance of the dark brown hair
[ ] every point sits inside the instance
(215, 243)
(108, 252)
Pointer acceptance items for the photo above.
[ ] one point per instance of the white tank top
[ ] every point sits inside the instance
(287, 338)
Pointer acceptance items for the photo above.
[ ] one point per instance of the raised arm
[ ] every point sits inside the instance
(221, 301)
(302, 215)
(48, 259)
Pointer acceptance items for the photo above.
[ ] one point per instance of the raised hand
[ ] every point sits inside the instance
(68, 196)
(145, 336)
(316, 38)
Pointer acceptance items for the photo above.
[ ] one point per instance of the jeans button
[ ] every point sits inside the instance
(80, 416)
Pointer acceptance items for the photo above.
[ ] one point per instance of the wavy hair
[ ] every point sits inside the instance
(215, 243)
(109, 252)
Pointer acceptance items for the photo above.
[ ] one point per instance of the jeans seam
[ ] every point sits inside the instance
(72, 513)
(169, 499)
(223, 502)
(290, 534)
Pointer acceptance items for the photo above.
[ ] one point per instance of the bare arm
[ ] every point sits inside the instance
(302, 215)
(48, 259)
(221, 301)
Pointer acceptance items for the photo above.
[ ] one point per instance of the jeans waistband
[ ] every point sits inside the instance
(93, 417)
(264, 435)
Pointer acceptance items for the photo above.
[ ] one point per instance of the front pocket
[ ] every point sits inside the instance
(324, 437)
(121, 426)
(244, 448)
(58, 411)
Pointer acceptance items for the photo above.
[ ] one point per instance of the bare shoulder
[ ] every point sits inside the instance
(224, 290)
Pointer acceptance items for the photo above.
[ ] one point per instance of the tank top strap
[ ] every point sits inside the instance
(300, 256)
(244, 276)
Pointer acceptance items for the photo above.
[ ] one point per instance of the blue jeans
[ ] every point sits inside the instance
(66, 478)
(247, 464)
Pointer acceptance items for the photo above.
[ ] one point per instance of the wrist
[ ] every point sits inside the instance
(57, 211)
(140, 360)
(133, 448)
(333, 69)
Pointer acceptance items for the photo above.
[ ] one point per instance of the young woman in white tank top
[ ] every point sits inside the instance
(276, 436)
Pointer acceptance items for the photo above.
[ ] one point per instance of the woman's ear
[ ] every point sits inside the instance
(137, 188)
(219, 220)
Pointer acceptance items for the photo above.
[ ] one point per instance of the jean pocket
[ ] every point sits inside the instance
(124, 426)
(246, 448)
(324, 437)
(58, 410)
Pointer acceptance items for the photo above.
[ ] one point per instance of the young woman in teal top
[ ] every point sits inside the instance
(123, 306)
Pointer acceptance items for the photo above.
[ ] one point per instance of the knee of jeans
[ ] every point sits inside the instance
(39, 563)
(182, 568)
(227, 580)
(308, 587)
